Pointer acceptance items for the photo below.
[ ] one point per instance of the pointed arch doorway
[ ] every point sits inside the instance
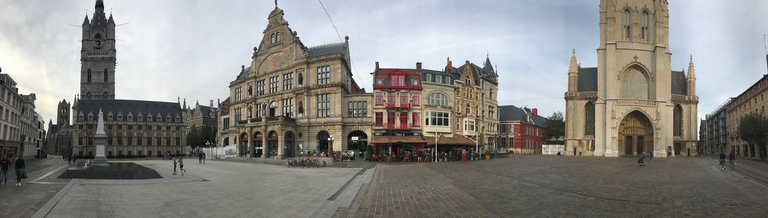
(635, 134)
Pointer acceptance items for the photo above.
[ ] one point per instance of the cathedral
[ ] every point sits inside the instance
(135, 127)
(632, 102)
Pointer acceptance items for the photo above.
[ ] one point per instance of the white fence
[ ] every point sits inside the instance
(220, 152)
(552, 149)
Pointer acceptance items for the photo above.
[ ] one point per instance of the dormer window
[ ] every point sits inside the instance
(468, 81)
(119, 117)
(177, 119)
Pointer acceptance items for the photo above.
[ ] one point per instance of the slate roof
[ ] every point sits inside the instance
(488, 68)
(679, 85)
(587, 79)
(205, 110)
(53, 129)
(513, 113)
(321, 50)
(135, 107)
(243, 73)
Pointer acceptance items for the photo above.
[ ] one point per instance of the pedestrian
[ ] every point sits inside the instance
(203, 157)
(19, 170)
(5, 164)
(641, 161)
(651, 154)
(200, 157)
(722, 160)
(463, 155)
(69, 159)
(174, 166)
(731, 159)
(181, 166)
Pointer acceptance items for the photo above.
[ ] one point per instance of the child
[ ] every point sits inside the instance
(181, 166)
(174, 166)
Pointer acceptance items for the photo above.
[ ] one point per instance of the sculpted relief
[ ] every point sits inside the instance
(275, 61)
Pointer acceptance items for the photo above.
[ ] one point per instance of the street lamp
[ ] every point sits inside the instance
(208, 144)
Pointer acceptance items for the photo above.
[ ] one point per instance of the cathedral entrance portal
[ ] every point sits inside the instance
(635, 132)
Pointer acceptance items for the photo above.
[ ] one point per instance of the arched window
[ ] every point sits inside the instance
(589, 119)
(634, 85)
(272, 38)
(437, 98)
(644, 27)
(89, 76)
(105, 95)
(88, 95)
(627, 24)
(678, 121)
(277, 37)
(106, 75)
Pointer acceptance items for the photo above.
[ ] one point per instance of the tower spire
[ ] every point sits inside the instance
(691, 71)
(573, 74)
(574, 66)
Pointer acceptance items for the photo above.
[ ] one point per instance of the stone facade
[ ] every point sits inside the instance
(10, 117)
(752, 100)
(292, 98)
(32, 125)
(60, 134)
(633, 102)
(98, 56)
(199, 116)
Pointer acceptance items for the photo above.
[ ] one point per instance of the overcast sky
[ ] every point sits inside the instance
(193, 49)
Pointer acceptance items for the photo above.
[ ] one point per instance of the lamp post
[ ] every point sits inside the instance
(330, 146)
(208, 144)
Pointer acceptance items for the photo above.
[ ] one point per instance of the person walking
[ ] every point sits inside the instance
(651, 155)
(200, 157)
(174, 166)
(5, 164)
(641, 160)
(203, 157)
(731, 159)
(19, 170)
(181, 166)
(463, 155)
(722, 160)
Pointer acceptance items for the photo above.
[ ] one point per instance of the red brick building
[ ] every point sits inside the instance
(520, 129)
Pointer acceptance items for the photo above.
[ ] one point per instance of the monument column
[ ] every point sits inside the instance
(100, 140)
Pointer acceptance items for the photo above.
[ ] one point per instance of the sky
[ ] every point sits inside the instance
(193, 49)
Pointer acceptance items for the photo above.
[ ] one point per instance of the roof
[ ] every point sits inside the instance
(243, 72)
(587, 79)
(513, 113)
(135, 107)
(488, 68)
(53, 129)
(679, 85)
(321, 50)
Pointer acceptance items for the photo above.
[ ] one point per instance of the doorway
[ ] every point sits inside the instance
(628, 145)
(640, 144)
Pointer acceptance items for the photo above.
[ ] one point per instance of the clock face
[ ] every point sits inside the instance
(97, 43)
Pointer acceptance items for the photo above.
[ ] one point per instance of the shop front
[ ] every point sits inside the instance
(399, 145)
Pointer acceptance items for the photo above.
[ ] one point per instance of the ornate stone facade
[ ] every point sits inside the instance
(98, 56)
(292, 98)
(633, 102)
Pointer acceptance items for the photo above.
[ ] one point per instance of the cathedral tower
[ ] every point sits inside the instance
(98, 56)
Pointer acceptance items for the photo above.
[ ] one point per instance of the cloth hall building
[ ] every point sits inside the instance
(632, 102)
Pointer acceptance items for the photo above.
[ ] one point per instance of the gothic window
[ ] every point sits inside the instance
(106, 75)
(88, 95)
(469, 82)
(627, 24)
(634, 85)
(589, 121)
(105, 95)
(644, 27)
(678, 121)
(89, 75)
(271, 38)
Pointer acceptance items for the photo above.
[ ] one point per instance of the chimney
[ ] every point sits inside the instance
(535, 112)
(211, 103)
(377, 66)
(418, 66)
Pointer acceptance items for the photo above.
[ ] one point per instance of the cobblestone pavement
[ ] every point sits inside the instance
(214, 189)
(559, 186)
(24, 201)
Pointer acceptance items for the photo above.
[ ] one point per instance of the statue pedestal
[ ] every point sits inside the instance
(100, 159)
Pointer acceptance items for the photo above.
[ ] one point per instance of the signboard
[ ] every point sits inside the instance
(355, 138)
(552, 149)
(395, 134)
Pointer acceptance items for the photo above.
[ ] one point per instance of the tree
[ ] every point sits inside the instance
(198, 136)
(193, 137)
(752, 128)
(554, 126)
(63, 150)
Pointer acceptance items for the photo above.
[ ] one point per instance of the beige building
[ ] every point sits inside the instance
(293, 98)
(632, 102)
(10, 117)
(751, 100)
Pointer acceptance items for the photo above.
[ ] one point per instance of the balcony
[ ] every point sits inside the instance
(281, 119)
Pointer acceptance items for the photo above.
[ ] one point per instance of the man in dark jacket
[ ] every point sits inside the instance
(641, 161)
(5, 164)
(731, 159)
(19, 169)
(722, 160)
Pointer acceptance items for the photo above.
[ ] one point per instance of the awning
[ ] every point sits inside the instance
(459, 140)
(397, 139)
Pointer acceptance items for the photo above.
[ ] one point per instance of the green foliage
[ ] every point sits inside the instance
(511, 152)
(487, 153)
(199, 135)
(752, 129)
(476, 155)
(440, 156)
(369, 152)
(554, 127)
(63, 149)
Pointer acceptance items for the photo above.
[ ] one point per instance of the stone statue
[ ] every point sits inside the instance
(100, 126)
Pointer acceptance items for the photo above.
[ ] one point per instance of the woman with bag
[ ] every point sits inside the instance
(20, 170)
